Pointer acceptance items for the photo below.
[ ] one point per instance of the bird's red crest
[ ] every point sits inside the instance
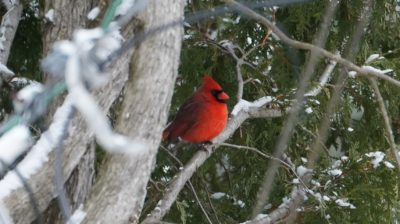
(210, 83)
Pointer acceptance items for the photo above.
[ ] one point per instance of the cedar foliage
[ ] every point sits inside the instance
(238, 173)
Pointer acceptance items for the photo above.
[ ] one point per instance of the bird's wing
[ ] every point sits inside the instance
(184, 120)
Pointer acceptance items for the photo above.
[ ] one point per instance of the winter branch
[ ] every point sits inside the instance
(323, 80)
(200, 157)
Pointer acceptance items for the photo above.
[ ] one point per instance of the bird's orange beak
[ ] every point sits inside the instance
(223, 96)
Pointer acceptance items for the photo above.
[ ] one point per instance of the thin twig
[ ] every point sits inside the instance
(230, 48)
(291, 168)
(189, 183)
(198, 201)
(172, 155)
(211, 205)
(315, 137)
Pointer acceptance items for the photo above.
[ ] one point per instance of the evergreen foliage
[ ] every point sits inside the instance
(238, 173)
(227, 184)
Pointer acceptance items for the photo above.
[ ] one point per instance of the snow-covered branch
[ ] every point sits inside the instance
(201, 156)
(38, 155)
(13, 144)
(323, 80)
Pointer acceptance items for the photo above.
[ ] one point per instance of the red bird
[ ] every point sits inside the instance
(202, 117)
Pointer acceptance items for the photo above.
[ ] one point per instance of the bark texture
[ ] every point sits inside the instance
(68, 16)
(8, 28)
(119, 194)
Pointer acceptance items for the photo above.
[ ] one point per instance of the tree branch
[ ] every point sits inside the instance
(323, 80)
(307, 46)
(178, 182)
(293, 118)
(120, 191)
(9, 25)
(386, 119)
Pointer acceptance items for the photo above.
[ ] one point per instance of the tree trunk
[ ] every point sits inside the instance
(67, 18)
(119, 194)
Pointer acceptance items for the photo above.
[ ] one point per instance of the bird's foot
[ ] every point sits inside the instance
(207, 146)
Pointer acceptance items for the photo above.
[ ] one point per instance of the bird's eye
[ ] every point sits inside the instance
(216, 92)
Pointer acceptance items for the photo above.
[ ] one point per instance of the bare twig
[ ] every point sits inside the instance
(189, 183)
(211, 205)
(258, 152)
(198, 201)
(388, 127)
(230, 48)
(289, 166)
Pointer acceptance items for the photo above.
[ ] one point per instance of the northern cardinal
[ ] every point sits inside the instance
(202, 117)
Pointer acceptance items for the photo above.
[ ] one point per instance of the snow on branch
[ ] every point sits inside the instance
(179, 181)
(38, 155)
(78, 216)
(326, 75)
(12, 144)
(282, 212)
(92, 15)
(244, 105)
